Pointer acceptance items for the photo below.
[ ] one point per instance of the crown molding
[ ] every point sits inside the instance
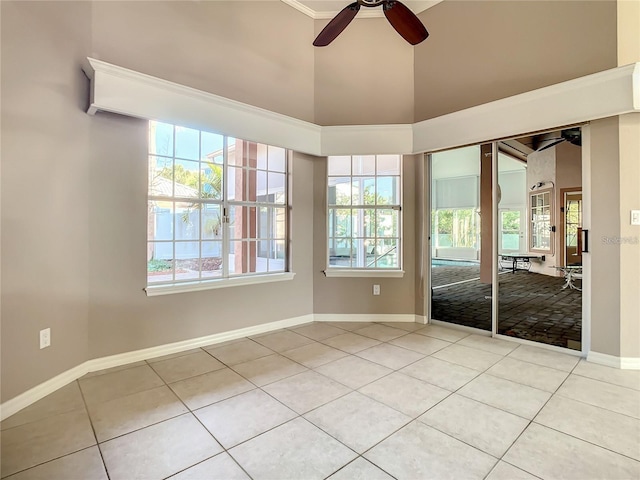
(599, 95)
(309, 12)
(605, 94)
(363, 13)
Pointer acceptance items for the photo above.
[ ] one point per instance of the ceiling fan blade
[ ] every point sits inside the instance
(336, 25)
(405, 22)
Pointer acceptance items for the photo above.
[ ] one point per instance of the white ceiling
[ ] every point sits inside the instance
(329, 8)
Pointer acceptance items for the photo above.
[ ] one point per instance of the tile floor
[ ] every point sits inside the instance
(339, 401)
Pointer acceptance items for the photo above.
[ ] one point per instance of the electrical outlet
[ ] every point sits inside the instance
(635, 217)
(376, 289)
(45, 338)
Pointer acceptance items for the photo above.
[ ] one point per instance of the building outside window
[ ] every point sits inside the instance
(364, 212)
(217, 206)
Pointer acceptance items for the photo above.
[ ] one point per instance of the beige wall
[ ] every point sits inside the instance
(615, 243)
(628, 31)
(256, 52)
(480, 51)
(629, 137)
(355, 295)
(45, 171)
(122, 317)
(605, 224)
(365, 76)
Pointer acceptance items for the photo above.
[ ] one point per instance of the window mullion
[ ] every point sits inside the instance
(225, 208)
(375, 203)
(173, 209)
(201, 205)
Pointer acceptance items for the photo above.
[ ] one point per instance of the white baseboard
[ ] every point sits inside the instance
(422, 319)
(159, 351)
(365, 317)
(624, 363)
(40, 391)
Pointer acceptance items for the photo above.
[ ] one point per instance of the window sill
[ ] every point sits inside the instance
(154, 290)
(354, 273)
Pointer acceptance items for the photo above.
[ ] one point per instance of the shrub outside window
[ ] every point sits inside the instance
(217, 206)
(364, 212)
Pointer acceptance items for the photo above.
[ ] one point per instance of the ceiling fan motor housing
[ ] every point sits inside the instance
(401, 18)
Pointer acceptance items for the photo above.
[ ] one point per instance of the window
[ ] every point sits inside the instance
(217, 206)
(455, 228)
(573, 215)
(364, 212)
(540, 211)
(510, 230)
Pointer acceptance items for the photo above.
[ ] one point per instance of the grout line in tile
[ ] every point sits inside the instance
(586, 441)
(43, 418)
(244, 338)
(274, 381)
(185, 378)
(179, 354)
(384, 341)
(538, 364)
(342, 467)
(487, 372)
(146, 426)
(190, 412)
(386, 366)
(302, 415)
(361, 386)
(590, 404)
(86, 407)
(298, 416)
(357, 458)
(497, 459)
(605, 381)
(391, 434)
(224, 449)
(501, 409)
(519, 468)
(450, 363)
(53, 459)
(187, 468)
(293, 329)
(597, 406)
(530, 422)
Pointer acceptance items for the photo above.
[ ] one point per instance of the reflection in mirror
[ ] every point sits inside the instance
(459, 294)
(540, 212)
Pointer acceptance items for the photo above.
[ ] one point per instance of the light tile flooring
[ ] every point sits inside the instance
(339, 401)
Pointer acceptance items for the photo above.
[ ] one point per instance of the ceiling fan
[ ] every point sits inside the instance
(571, 135)
(406, 23)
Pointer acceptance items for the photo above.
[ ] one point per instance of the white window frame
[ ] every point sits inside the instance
(365, 271)
(538, 224)
(225, 204)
